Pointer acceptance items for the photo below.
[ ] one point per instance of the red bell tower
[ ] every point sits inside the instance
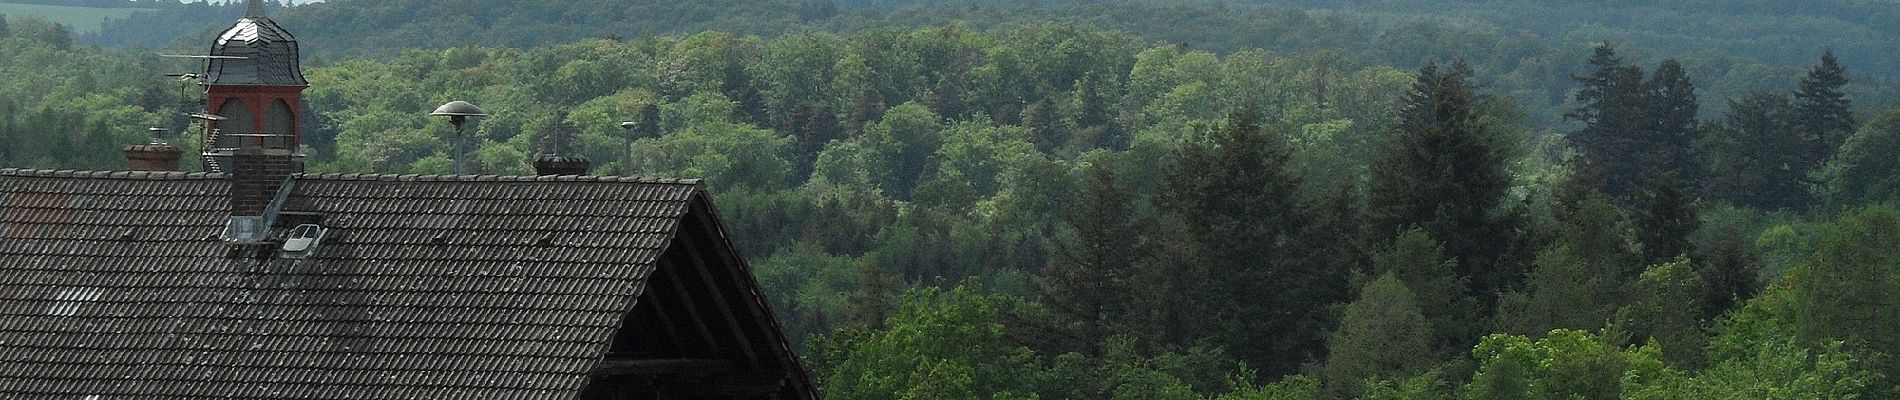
(254, 80)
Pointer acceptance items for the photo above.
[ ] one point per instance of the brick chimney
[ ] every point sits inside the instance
(257, 173)
(549, 164)
(153, 157)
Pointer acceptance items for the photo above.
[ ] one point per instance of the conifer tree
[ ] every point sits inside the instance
(1665, 220)
(1753, 154)
(1823, 115)
(1233, 199)
(1669, 143)
(870, 304)
(1093, 271)
(1447, 172)
(1615, 102)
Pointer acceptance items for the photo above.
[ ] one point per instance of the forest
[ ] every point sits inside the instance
(1168, 200)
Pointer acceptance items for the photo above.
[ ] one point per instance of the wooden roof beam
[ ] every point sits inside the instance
(717, 294)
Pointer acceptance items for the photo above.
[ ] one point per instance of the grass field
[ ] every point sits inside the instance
(81, 19)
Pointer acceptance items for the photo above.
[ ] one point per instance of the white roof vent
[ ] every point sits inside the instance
(303, 240)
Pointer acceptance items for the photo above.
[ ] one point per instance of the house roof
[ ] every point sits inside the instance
(117, 284)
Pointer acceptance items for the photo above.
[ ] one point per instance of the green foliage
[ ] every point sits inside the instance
(955, 344)
(1234, 201)
(1565, 364)
(1421, 264)
(897, 149)
(1098, 259)
(1155, 206)
(1378, 338)
(940, 345)
(1865, 170)
(1665, 308)
(1755, 154)
(1823, 115)
(980, 153)
(68, 108)
(1578, 281)
(1846, 289)
(1758, 355)
(1447, 172)
(726, 154)
(808, 288)
(1293, 387)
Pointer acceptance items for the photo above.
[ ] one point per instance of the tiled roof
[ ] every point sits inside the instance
(116, 284)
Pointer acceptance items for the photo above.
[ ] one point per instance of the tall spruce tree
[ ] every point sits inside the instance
(1665, 220)
(1448, 172)
(1093, 271)
(1823, 115)
(1615, 106)
(1750, 158)
(1232, 198)
(1669, 143)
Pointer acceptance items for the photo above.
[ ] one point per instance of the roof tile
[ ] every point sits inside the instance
(115, 285)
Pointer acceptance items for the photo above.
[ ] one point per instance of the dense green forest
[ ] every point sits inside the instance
(970, 200)
(1526, 50)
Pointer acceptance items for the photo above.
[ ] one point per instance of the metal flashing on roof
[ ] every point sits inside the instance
(244, 229)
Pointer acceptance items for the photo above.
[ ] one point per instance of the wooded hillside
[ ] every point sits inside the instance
(1315, 205)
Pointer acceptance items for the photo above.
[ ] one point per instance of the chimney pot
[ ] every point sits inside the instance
(153, 157)
(549, 164)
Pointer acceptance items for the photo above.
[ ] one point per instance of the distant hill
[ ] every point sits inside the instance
(1778, 32)
(81, 19)
(1529, 48)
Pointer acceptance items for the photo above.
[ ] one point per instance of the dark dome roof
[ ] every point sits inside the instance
(269, 55)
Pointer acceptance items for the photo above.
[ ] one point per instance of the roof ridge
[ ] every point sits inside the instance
(386, 177)
(88, 174)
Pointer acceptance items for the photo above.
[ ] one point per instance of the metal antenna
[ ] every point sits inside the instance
(558, 135)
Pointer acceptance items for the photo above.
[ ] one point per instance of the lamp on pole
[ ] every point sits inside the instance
(626, 152)
(458, 112)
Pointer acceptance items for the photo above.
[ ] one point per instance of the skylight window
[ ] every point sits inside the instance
(303, 240)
